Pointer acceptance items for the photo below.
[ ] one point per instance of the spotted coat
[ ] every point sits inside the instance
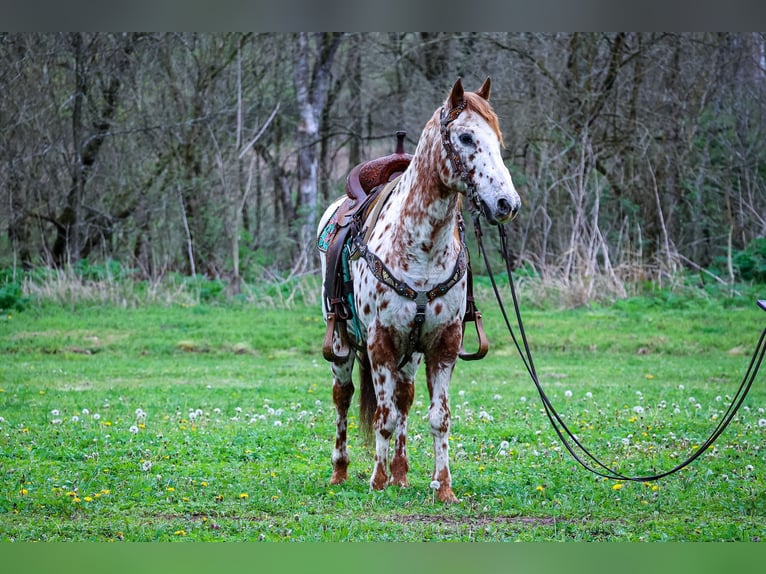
(416, 237)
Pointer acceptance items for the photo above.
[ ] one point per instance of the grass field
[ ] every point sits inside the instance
(215, 422)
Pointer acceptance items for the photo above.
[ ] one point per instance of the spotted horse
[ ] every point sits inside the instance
(404, 280)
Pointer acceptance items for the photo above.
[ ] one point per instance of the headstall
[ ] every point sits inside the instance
(446, 117)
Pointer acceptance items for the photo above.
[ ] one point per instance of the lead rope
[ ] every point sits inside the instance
(563, 432)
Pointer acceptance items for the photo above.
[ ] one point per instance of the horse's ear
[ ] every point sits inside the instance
(456, 96)
(485, 87)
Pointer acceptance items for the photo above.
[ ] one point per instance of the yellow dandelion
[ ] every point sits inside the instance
(171, 489)
(540, 488)
(244, 496)
(106, 491)
(655, 487)
(76, 499)
(649, 376)
(24, 492)
(617, 486)
(88, 499)
(180, 533)
(203, 483)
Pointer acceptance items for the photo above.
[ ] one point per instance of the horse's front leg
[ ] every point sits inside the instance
(439, 366)
(381, 349)
(404, 393)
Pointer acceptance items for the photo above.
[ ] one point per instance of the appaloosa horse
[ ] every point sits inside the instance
(409, 285)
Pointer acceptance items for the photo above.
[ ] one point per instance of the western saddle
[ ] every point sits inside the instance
(367, 188)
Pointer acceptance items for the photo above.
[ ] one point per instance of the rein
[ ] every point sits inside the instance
(570, 441)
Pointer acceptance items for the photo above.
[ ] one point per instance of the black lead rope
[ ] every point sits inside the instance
(567, 437)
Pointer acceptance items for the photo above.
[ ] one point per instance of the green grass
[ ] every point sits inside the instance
(238, 429)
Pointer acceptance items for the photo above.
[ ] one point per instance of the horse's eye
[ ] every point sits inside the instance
(466, 139)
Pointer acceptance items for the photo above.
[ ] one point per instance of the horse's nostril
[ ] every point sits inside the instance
(503, 207)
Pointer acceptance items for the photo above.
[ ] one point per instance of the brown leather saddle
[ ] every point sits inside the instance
(364, 186)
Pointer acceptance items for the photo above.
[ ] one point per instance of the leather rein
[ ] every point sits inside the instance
(570, 441)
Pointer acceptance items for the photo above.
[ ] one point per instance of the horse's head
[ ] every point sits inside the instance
(471, 141)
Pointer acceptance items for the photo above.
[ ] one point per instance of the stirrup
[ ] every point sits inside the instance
(483, 342)
(327, 346)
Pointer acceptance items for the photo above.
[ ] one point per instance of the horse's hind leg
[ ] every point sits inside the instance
(342, 391)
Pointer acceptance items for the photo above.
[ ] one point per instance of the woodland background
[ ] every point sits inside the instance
(636, 154)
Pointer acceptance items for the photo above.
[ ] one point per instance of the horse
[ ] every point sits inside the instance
(408, 272)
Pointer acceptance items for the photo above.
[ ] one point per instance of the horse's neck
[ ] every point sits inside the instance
(422, 238)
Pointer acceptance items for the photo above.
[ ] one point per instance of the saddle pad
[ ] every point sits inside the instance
(325, 238)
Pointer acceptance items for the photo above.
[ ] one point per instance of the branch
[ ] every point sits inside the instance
(260, 132)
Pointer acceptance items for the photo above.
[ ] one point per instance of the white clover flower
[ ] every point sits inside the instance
(317, 403)
(681, 387)
(75, 419)
(762, 423)
(56, 421)
(589, 395)
(238, 410)
(133, 429)
(140, 413)
(461, 393)
(497, 397)
(96, 417)
(639, 410)
(217, 411)
(55, 412)
(692, 400)
(523, 399)
(85, 412)
(2, 420)
(676, 411)
(567, 394)
(504, 444)
(277, 423)
(146, 466)
(435, 485)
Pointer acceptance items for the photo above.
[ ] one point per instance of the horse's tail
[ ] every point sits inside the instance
(367, 400)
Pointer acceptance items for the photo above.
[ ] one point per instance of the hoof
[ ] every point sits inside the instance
(402, 481)
(445, 495)
(339, 475)
(379, 479)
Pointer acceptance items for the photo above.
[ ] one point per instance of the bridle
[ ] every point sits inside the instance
(446, 117)
(569, 439)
